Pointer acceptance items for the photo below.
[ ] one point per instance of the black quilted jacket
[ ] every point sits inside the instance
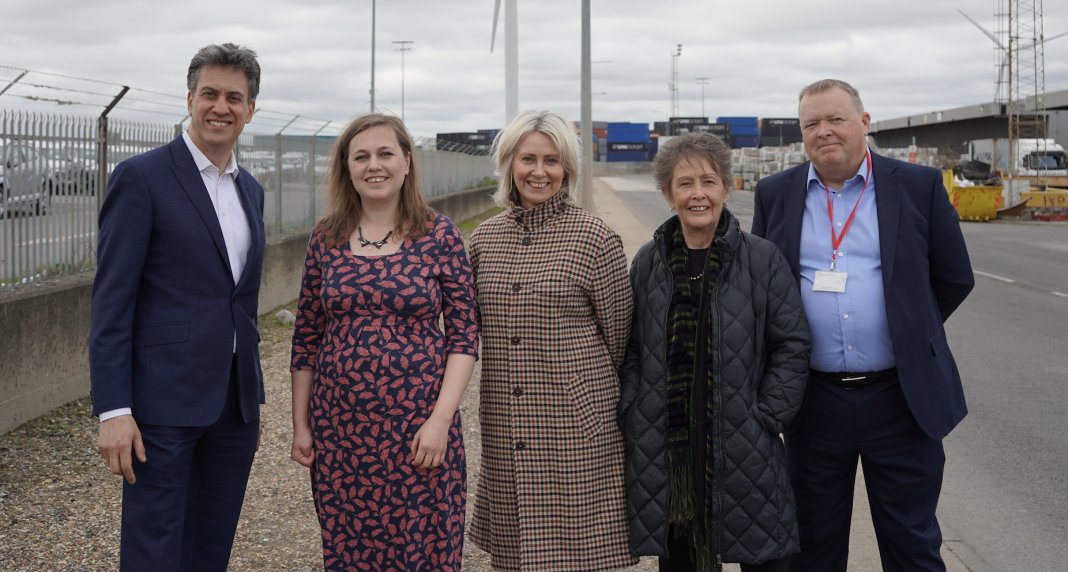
(760, 365)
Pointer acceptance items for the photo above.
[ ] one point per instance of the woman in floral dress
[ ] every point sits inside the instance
(376, 383)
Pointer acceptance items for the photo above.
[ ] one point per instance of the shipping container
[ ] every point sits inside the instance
(680, 125)
(627, 151)
(779, 131)
(740, 141)
(754, 121)
(723, 130)
(742, 125)
(627, 141)
(472, 143)
(627, 132)
(688, 120)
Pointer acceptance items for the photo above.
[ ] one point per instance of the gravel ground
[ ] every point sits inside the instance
(59, 506)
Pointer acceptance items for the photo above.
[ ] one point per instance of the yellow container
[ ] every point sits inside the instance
(972, 203)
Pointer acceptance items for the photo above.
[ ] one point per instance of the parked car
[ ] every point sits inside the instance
(34, 172)
(71, 168)
(24, 184)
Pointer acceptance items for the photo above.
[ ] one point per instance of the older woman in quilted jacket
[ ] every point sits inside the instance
(715, 368)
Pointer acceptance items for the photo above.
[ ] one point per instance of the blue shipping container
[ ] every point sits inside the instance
(738, 120)
(742, 125)
(628, 132)
(621, 156)
(739, 141)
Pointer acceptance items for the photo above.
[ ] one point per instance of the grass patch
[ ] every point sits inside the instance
(467, 226)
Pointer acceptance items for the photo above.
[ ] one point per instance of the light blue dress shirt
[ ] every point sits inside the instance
(849, 329)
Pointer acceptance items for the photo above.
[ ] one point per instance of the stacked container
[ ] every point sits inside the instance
(745, 131)
(628, 142)
(779, 131)
(472, 143)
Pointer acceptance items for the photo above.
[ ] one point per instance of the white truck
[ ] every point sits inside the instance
(1033, 157)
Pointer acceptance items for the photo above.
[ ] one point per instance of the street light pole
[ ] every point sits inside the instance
(373, 56)
(675, 80)
(703, 81)
(403, 48)
(586, 165)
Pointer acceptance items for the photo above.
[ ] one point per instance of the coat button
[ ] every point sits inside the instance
(520, 446)
(516, 287)
(517, 392)
(526, 241)
(515, 340)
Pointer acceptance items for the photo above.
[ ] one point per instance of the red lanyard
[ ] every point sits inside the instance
(836, 241)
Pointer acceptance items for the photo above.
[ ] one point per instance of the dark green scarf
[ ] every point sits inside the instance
(682, 328)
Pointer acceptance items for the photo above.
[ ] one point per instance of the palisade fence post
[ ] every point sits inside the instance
(278, 140)
(277, 182)
(312, 211)
(102, 147)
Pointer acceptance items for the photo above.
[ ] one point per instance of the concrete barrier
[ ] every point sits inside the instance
(616, 168)
(45, 328)
(465, 204)
(44, 351)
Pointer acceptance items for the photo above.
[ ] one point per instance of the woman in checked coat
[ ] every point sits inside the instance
(555, 303)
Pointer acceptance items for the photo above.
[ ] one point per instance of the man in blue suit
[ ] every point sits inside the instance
(881, 262)
(173, 347)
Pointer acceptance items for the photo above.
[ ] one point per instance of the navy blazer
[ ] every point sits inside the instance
(165, 308)
(926, 274)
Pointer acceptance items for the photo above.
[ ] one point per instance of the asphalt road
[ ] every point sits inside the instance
(1005, 495)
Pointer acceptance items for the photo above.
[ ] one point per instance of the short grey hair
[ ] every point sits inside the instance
(697, 145)
(527, 122)
(829, 84)
(228, 56)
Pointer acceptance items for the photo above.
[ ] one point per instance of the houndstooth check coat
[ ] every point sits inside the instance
(555, 303)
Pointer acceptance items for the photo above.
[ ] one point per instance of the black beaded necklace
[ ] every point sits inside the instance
(375, 243)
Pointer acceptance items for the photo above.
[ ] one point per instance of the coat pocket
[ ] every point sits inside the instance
(581, 398)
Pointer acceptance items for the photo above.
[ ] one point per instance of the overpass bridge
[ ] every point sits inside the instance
(948, 129)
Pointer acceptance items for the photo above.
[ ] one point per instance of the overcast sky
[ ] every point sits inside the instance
(905, 56)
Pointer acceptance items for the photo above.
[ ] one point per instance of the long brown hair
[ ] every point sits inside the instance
(343, 213)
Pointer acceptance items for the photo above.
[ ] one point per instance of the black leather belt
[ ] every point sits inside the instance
(854, 380)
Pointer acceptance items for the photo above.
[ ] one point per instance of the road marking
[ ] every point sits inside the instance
(1061, 294)
(994, 276)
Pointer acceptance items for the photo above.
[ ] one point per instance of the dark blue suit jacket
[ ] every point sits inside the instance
(926, 274)
(165, 308)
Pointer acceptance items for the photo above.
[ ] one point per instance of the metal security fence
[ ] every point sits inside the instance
(48, 195)
(53, 169)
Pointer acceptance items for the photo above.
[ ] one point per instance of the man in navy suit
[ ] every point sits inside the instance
(173, 346)
(881, 262)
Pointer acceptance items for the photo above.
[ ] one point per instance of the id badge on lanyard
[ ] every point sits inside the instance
(831, 280)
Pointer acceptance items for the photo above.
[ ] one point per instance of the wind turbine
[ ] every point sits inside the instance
(1004, 52)
(511, 56)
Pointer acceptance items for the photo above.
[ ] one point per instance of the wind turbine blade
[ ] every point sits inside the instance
(496, 13)
(982, 29)
(1061, 35)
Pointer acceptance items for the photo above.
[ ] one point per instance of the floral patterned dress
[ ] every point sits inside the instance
(368, 327)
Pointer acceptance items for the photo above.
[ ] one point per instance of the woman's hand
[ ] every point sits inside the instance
(430, 442)
(303, 451)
